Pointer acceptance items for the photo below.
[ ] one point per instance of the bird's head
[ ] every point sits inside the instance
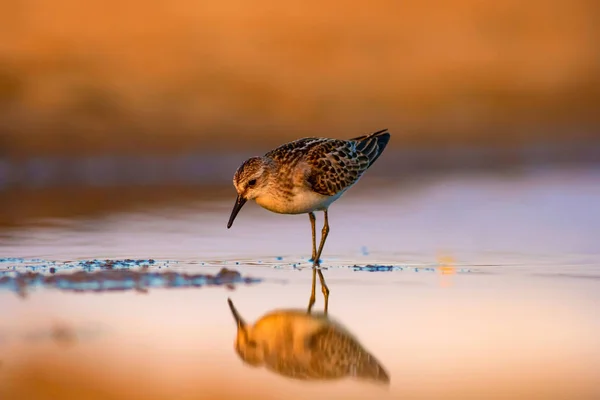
(247, 348)
(250, 181)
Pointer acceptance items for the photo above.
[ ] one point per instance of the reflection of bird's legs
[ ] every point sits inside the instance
(324, 289)
(311, 302)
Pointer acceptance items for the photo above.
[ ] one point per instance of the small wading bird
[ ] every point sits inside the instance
(305, 176)
(305, 346)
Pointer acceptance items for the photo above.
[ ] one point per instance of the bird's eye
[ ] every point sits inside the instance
(252, 343)
(252, 182)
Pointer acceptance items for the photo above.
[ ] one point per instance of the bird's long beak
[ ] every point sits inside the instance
(238, 319)
(239, 203)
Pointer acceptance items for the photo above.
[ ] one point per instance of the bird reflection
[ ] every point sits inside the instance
(305, 346)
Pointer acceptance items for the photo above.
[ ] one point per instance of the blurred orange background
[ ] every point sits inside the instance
(123, 122)
(167, 76)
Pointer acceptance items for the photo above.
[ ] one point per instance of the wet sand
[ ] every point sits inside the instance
(493, 293)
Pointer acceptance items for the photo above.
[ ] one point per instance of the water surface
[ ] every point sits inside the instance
(492, 291)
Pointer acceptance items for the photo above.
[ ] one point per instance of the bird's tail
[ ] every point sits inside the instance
(372, 145)
(370, 369)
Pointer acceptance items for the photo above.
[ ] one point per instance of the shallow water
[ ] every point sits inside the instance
(492, 291)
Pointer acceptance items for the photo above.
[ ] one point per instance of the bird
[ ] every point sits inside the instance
(304, 176)
(304, 346)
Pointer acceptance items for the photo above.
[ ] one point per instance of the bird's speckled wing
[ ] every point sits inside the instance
(336, 354)
(334, 164)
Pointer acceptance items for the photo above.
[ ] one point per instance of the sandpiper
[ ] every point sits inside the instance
(305, 176)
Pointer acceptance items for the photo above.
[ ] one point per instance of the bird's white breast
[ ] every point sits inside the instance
(302, 201)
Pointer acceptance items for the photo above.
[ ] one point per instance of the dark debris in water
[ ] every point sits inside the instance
(109, 280)
(386, 268)
(9, 264)
(113, 264)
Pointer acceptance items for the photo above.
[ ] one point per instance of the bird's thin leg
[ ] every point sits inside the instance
(324, 233)
(316, 263)
(312, 218)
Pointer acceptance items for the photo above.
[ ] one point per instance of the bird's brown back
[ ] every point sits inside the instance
(334, 164)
